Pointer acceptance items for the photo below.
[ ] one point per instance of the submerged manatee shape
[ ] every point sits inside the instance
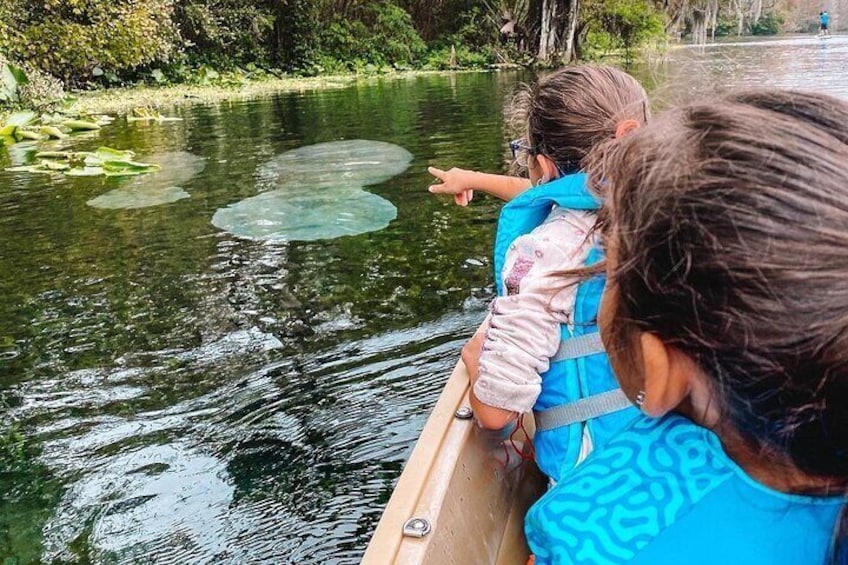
(162, 187)
(316, 192)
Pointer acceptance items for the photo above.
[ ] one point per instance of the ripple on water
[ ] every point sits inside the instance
(291, 447)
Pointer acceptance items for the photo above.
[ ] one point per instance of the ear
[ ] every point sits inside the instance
(668, 373)
(548, 167)
(625, 127)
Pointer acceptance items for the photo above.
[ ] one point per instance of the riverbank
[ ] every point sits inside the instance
(124, 100)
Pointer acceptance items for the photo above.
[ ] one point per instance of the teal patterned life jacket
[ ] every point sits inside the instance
(663, 492)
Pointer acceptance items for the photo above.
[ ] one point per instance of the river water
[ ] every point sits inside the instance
(172, 393)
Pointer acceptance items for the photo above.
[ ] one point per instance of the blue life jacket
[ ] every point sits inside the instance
(825, 19)
(664, 492)
(568, 380)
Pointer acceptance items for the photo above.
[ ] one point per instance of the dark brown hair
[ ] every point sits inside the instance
(729, 222)
(575, 109)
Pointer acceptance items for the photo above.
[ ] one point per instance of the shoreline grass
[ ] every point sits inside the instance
(123, 100)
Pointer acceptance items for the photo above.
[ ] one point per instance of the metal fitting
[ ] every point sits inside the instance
(416, 527)
(464, 413)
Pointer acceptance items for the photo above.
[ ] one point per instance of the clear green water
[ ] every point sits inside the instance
(170, 393)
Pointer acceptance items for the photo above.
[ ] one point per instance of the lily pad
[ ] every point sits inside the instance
(316, 192)
(55, 165)
(105, 161)
(53, 132)
(109, 154)
(162, 187)
(80, 125)
(29, 169)
(84, 171)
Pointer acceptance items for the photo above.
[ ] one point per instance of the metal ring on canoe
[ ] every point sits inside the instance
(416, 527)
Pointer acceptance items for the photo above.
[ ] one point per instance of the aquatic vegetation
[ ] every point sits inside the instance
(105, 161)
(124, 100)
(28, 126)
(316, 192)
(30, 492)
(148, 114)
(164, 186)
(12, 80)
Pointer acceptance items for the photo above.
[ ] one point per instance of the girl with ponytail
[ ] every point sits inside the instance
(725, 318)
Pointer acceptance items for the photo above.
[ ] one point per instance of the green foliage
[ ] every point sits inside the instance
(25, 86)
(90, 43)
(462, 57)
(42, 90)
(768, 24)
(808, 26)
(726, 25)
(632, 22)
(435, 21)
(477, 30)
(380, 35)
(294, 40)
(622, 25)
(599, 44)
(12, 79)
(27, 126)
(224, 33)
(78, 39)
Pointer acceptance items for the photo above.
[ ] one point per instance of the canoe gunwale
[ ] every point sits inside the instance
(472, 490)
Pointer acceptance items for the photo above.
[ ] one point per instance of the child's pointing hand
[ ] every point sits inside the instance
(455, 181)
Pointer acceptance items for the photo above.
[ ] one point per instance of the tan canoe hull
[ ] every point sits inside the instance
(470, 485)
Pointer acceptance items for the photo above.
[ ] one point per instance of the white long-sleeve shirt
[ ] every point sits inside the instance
(523, 327)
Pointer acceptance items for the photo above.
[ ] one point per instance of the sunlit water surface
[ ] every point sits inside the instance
(172, 393)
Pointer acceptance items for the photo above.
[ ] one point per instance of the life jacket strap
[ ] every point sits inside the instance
(581, 410)
(579, 346)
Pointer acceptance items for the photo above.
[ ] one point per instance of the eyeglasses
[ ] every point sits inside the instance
(522, 151)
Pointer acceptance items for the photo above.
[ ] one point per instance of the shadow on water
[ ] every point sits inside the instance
(172, 393)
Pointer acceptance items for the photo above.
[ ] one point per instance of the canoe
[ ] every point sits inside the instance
(462, 495)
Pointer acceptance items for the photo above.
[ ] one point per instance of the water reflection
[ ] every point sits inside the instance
(289, 448)
(171, 393)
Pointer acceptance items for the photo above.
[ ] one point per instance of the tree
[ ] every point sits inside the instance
(76, 39)
(552, 27)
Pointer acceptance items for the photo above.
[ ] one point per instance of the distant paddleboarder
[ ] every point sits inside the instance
(824, 20)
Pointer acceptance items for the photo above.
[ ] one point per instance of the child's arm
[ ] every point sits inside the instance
(523, 330)
(521, 337)
(488, 416)
(462, 184)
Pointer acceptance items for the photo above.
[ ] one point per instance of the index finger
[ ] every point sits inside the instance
(438, 173)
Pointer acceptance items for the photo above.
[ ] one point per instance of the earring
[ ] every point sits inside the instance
(640, 398)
